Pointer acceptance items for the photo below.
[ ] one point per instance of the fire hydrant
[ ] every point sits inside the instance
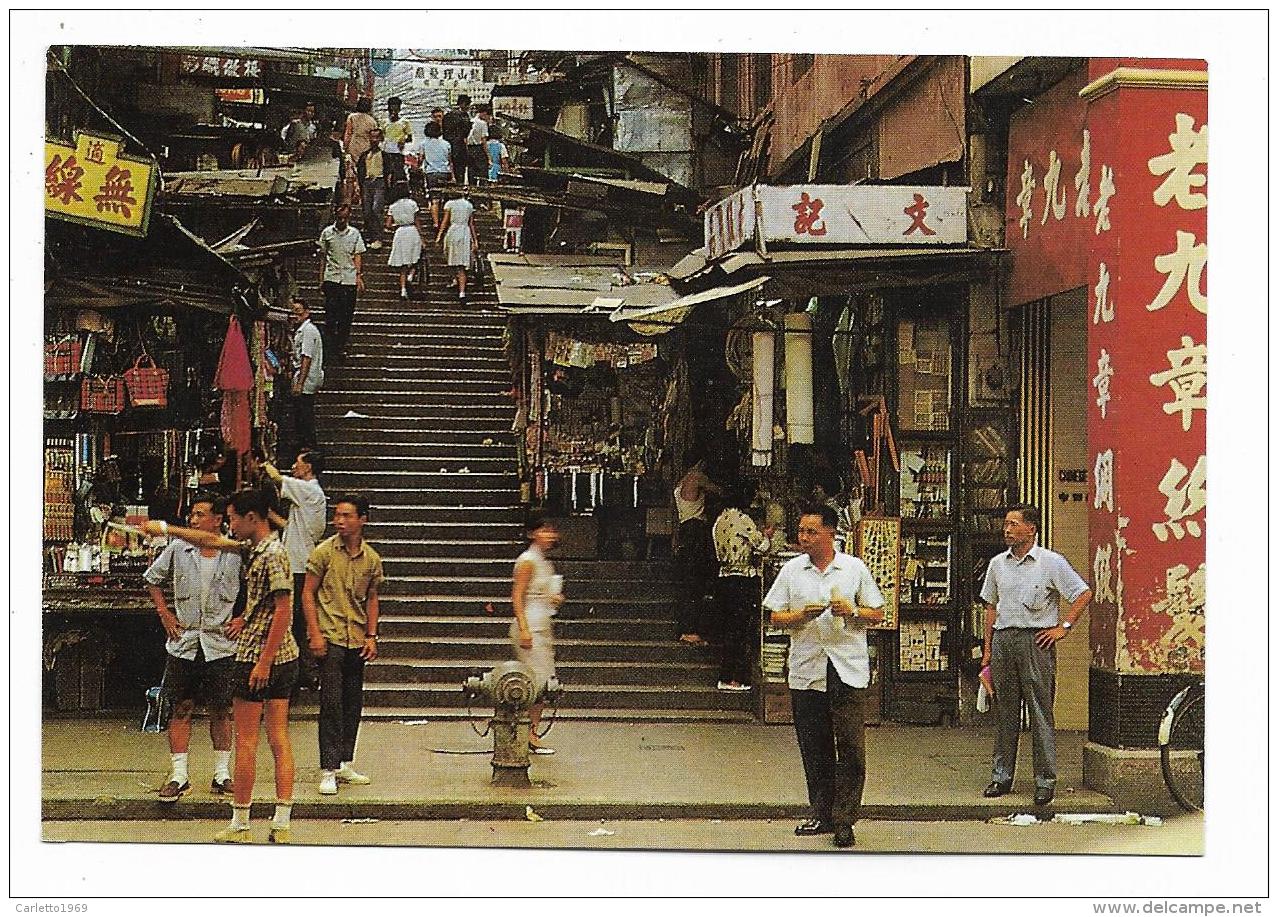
(512, 689)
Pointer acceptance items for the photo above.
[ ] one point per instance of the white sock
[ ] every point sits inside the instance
(179, 768)
(283, 812)
(221, 764)
(239, 817)
(345, 766)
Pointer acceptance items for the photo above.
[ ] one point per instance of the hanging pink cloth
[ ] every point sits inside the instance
(235, 379)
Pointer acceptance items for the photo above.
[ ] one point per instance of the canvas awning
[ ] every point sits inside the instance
(570, 285)
(661, 318)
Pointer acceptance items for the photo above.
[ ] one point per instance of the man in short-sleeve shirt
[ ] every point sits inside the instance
(308, 372)
(1023, 590)
(823, 597)
(343, 249)
(343, 575)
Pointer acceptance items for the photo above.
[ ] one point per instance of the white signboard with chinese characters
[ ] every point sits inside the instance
(839, 215)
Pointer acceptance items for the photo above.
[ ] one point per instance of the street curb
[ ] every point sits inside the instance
(148, 809)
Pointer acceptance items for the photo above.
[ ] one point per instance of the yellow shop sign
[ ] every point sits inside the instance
(95, 184)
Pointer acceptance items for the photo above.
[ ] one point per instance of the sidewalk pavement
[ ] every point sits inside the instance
(109, 769)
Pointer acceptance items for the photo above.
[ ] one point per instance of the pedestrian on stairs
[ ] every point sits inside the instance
(340, 603)
(536, 594)
(406, 244)
(374, 179)
(308, 373)
(460, 242)
(343, 248)
(694, 556)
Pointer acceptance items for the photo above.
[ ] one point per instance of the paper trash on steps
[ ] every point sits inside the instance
(1021, 820)
(602, 832)
(1108, 818)
(356, 414)
(531, 815)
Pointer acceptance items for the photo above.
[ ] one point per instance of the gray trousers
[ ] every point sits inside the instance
(1022, 670)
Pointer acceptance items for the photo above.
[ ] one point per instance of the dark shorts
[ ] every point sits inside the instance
(437, 179)
(280, 687)
(207, 683)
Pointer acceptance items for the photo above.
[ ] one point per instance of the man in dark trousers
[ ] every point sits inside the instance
(339, 600)
(457, 124)
(1022, 593)
(343, 248)
(308, 373)
(825, 598)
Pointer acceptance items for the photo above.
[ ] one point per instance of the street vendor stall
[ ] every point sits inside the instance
(135, 329)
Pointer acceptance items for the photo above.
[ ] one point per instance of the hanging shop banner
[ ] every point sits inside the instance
(1147, 352)
(243, 96)
(838, 215)
(94, 183)
(1051, 188)
(216, 65)
(730, 224)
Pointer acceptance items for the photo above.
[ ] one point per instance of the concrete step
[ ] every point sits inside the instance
(425, 480)
(443, 498)
(408, 579)
(351, 431)
(423, 381)
(410, 511)
(497, 626)
(411, 607)
(580, 576)
(679, 697)
(383, 532)
(421, 371)
(409, 453)
(472, 418)
(435, 464)
(474, 545)
(441, 672)
(482, 650)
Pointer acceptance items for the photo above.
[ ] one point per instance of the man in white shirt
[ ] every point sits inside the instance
(308, 373)
(303, 529)
(476, 141)
(1022, 593)
(343, 248)
(825, 597)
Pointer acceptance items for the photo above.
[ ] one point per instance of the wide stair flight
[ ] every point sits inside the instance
(418, 418)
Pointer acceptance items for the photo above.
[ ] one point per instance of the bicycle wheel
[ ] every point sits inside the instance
(1181, 747)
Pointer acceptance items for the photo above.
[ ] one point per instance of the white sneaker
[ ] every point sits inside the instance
(328, 783)
(348, 774)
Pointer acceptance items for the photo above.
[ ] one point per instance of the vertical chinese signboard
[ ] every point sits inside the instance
(92, 182)
(1147, 350)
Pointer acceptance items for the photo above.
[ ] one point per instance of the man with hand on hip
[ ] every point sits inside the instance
(1022, 593)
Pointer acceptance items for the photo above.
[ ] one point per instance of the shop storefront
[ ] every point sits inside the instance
(880, 381)
(141, 412)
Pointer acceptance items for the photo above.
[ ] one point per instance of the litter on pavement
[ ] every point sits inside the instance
(602, 832)
(531, 815)
(359, 821)
(1107, 818)
(355, 414)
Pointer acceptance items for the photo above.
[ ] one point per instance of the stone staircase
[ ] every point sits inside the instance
(434, 453)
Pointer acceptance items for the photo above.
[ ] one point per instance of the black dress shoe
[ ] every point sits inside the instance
(843, 837)
(812, 827)
(1043, 796)
(996, 789)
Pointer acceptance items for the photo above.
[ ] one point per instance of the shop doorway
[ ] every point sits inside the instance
(1054, 474)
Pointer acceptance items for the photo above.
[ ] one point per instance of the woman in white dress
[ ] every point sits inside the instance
(536, 595)
(458, 232)
(406, 246)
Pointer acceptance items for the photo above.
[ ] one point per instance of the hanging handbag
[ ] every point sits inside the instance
(62, 355)
(102, 394)
(148, 385)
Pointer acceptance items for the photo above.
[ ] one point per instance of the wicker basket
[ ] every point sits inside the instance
(148, 385)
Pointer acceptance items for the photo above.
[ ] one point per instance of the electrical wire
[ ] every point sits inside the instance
(59, 67)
